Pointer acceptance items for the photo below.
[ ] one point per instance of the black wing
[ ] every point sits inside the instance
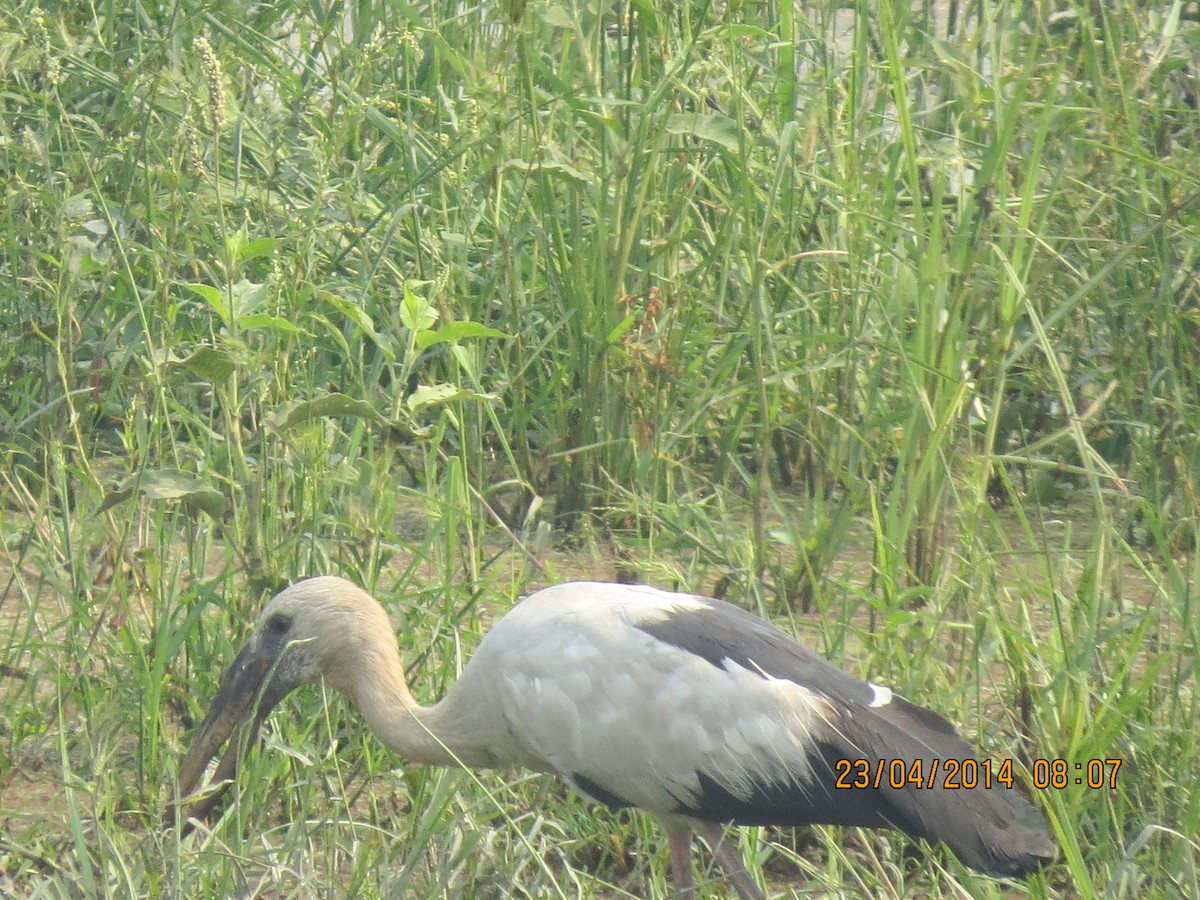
(993, 829)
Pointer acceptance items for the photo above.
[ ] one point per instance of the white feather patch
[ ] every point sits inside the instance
(880, 695)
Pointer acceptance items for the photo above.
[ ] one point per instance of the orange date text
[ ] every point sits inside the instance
(947, 774)
(1056, 774)
(969, 774)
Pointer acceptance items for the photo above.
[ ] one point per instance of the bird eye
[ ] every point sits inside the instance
(279, 624)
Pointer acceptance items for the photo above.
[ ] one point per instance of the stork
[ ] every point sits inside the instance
(689, 708)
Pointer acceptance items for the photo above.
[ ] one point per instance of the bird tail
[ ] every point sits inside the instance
(989, 826)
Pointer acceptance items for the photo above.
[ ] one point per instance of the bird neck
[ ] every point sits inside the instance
(422, 734)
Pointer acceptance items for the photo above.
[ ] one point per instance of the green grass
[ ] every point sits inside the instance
(883, 321)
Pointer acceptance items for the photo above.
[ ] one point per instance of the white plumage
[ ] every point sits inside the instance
(689, 708)
(583, 689)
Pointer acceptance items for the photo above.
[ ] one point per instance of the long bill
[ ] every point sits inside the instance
(245, 698)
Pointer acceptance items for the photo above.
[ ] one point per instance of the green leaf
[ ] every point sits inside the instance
(190, 489)
(248, 298)
(707, 127)
(291, 415)
(297, 412)
(556, 16)
(362, 319)
(256, 248)
(86, 264)
(457, 331)
(210, 363)
(351, 311)
(242, 248)
(433, 394)
(271, 323)
(416, 313)
(550, 166)
(212, 296)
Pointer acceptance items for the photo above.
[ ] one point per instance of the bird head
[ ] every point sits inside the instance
(308, 631)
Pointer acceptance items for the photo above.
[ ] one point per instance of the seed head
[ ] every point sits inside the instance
(212, 78)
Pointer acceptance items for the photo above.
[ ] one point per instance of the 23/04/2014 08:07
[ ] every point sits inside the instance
(968, 774)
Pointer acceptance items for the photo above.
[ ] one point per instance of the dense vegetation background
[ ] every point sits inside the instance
(883, 319)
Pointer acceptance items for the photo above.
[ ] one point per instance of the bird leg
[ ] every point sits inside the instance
(679, 844)
(729, 860)
(679, 840)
